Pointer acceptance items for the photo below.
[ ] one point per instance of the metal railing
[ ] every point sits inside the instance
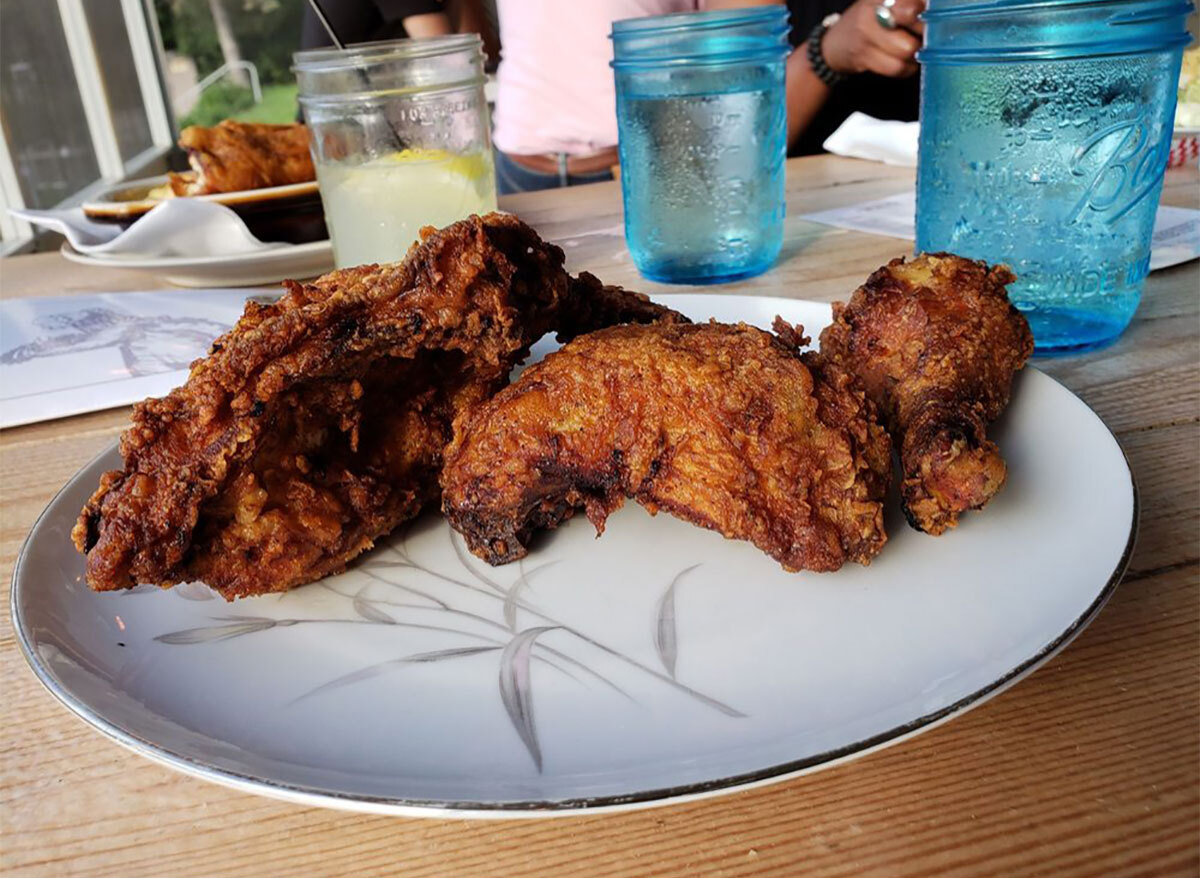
(198, 89)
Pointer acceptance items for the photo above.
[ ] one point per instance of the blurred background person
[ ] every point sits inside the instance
(850, 56)
(555, 122)
(367, 21)
(555, 114)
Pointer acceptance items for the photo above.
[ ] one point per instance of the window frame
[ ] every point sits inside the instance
(145, 43)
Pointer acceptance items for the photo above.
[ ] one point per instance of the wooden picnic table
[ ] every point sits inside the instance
(1091, 765)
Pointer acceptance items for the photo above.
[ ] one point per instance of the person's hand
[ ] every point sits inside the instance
(858, 43)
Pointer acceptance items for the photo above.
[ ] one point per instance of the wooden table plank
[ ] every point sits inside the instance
(1090, 765)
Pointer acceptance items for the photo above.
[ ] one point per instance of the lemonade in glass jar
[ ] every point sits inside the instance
(374, 210)
(400, 139)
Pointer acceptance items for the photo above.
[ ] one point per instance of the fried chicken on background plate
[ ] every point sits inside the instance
(724, 426)
(935, 343)
(317, 423)
(239, 156)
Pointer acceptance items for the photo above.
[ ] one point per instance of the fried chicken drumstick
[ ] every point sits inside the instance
(237, 156)
(317, 424)
(723, 426)
(935, 343)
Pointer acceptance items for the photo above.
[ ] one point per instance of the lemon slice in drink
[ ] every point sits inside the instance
(472, 167)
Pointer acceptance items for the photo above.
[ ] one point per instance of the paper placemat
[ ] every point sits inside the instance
(1176, 229)
(65, 355)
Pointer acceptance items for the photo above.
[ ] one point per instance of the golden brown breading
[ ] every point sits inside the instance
(935, 343)
(237, 156)
(723, 426)
(317, 423)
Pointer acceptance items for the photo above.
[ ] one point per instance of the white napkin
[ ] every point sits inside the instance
(864, 137)
(177, 227)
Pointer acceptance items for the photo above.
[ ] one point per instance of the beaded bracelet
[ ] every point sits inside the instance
(816, 60)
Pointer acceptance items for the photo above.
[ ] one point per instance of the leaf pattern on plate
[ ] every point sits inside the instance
(375, 670)
(213, 633)
(666, 637)
(513, 594)
(193, 591)
(367, 608)
(515, 689)
(391, 567)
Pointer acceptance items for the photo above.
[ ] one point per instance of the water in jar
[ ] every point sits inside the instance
(375, 209)
(703, 179)
(1054, 168)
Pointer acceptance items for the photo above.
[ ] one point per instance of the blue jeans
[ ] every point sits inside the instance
(512, 177)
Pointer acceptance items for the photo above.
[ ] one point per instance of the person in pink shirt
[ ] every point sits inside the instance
(555, 122)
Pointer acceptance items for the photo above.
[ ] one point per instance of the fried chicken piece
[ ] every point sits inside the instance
(721, 425)
(317, 424)
(935, 343)
(237, 156)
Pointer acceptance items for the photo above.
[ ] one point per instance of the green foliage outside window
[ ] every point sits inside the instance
(268, 32)
(219, 101)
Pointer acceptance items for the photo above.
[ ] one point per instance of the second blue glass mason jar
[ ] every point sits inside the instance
(1045, 130)
(703, 137)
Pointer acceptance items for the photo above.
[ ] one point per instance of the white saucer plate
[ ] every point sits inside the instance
(296, 261)
(656, 664)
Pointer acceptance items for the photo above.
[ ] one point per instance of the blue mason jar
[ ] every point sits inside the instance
(703, 137)
(1045, 130)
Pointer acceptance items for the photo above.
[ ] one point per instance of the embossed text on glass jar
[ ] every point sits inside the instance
(1044, 136)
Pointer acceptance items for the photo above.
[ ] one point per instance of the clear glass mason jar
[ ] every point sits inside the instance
(703, 137)
(1045, 131)
(400, 139)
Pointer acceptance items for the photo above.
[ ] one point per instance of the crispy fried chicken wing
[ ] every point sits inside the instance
(723, 426)
(935, 343)
(237, 156)
(317, 424)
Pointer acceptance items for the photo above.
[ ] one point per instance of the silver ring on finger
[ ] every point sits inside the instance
(885, 16)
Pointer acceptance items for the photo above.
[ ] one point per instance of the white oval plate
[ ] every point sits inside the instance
(130, 198)
(657, 664)
(297, 261)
